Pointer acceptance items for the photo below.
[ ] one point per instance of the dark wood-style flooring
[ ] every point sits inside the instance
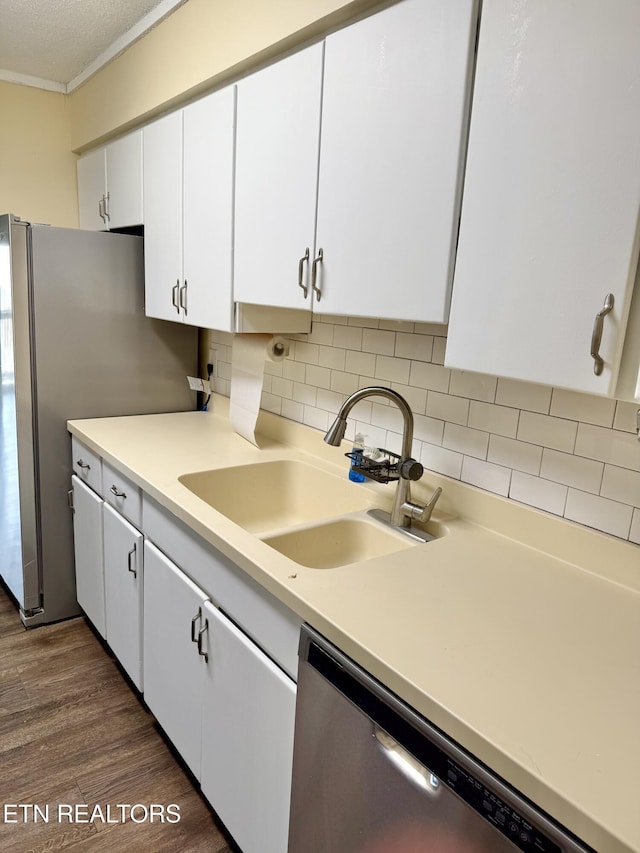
(73, 732)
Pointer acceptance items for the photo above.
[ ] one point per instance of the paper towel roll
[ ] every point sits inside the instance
(249, 354)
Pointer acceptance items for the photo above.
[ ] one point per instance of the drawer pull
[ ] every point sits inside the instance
(114, 491)
(82, 464)
(201, 633)
(596, 335)
(129, 562)
(194, 633)
(301, 263)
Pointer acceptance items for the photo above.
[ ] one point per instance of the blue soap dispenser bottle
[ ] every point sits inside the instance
(358, 448)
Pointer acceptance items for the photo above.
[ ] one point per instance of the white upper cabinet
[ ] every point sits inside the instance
(110, 185)
(549, 223)
(188, 196)
(394, 121)
(278, 128)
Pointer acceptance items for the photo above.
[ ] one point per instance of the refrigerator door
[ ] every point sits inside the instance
(19, 566)
(75, 344)
(95, 354)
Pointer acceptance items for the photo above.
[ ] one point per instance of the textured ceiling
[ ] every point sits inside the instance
(56, 40)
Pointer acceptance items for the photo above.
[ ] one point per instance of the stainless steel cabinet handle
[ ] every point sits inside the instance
(106, 207)
(70, 500)
(114, 491)
(314, 275)
(101, 210)
(183, 296)
(201, 633)
(196, 618)
(82, 464)
(596, 335)
(129, 563)
(301, 263)
(174, 295)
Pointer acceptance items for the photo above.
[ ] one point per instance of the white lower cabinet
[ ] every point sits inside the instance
(173, 668)
(87, 539)
(123, 584)
(247, 737)
(227, 708)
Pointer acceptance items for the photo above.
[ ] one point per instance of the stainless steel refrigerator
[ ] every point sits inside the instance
(74, 343)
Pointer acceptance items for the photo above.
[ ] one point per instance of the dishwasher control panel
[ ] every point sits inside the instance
(506, 819)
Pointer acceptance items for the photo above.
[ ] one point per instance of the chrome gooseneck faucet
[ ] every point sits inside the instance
(404, 510)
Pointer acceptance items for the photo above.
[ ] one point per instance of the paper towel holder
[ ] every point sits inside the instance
(279, 348)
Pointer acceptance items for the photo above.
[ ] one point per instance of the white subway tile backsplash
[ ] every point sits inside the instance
(378, 341)
(601, 513)
(495, 419)
(308, 353)
(608, 445)
(428, 429)
(434, 377)
(542, 494)
(515, 454)
(584, 474)
(321, 333)
(362, 363)
(439, 345)
(418, 347)
(446, 408)
(343, 383)
(320, 377)
(304, 393)
(474, 386)
(329, 401)
(523, 395)
(332, 357)
(582, 407)
(471, 442)
(294, 370)
(316, 418)
(486, 475)
(560, 451)
(626, 417)
(292, 410)
(444, 461)
(551, 432)
(415, 397)
(347, 337)
(622, 485)
(392, 369)
(282, 387)
(387, 417)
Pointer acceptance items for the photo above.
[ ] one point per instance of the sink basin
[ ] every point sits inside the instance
(338, 543)
(269, 496)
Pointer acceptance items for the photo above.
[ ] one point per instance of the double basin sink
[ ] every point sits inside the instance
(309, 515)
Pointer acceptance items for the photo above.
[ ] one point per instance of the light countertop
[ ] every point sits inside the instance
(517, 633)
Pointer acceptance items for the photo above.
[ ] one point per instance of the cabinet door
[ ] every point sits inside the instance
(87, 540)
(162, 191)
(123, 585)
(92, 183)
(552, 190)
(247, 738)
(124, 181)
(209, 127)
(173, 669)
(278, 128)
(394, 126)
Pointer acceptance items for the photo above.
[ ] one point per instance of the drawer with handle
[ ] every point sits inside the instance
(122, 494)
(87, 465)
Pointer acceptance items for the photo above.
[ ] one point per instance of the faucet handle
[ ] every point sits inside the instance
(421, 513)
(411, 470)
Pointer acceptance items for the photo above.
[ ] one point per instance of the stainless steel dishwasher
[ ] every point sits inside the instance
(372, 776)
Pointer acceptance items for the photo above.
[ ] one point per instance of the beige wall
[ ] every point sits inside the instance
(201, 45)
(37, 168)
